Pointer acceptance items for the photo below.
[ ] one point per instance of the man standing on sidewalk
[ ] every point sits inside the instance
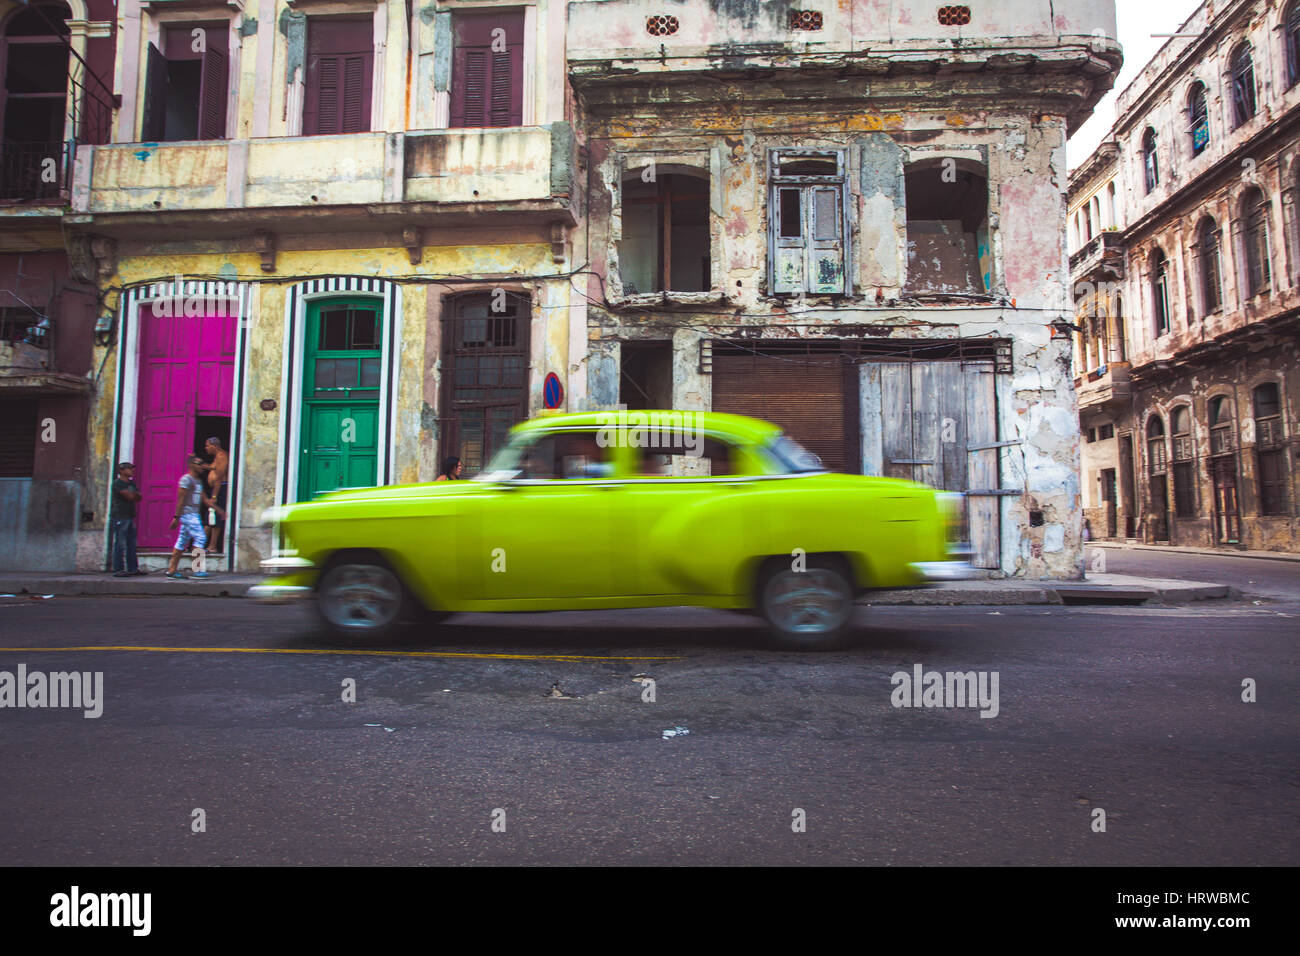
(121, 518)
(189, 500)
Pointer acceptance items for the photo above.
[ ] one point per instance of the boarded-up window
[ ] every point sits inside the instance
(340, 62)
(808, 249)
(948, 230)
(487, 78)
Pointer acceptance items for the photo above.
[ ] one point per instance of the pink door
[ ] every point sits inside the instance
(187, 368)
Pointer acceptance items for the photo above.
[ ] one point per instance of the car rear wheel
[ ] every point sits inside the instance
(810, 609)
(361, 598)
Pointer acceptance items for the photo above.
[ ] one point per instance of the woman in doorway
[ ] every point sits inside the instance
(451, 469)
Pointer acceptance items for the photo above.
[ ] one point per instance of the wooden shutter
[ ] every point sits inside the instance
(155, 96)
(340, 63)
(487, 86)
(825, 241)
(212, 95)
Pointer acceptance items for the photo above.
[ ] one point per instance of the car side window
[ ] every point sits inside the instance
(566, 456)
(718, 459)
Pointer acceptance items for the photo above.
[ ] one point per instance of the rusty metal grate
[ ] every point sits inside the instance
(661, 25)
(805, 20)
(957, 16)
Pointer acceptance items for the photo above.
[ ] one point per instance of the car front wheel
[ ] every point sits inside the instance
(359, 598)
(810, 609)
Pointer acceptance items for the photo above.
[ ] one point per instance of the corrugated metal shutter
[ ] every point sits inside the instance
(804, 394)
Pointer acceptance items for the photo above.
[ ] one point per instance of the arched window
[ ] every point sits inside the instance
(1110, 201)
(1160, 292)
(1087, 222)
(1291, 28)
(1150, 159)
(1254, 214)
(1096, 212)
(33, 99)
(1271, 456)
(1198, 115)
(1157, 454)
(1243, 84)
(1207, 241)
(1220, 413)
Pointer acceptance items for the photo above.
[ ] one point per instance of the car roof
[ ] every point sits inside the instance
(738, 426)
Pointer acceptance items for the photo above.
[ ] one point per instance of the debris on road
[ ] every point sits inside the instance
(556, 693)
(675, 732)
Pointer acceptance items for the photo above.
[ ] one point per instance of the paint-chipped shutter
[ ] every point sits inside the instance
(212, 94)
(825, 245)
(805, 395)
(340, 62)
(787, 250)
(487, 85)
(155, 96)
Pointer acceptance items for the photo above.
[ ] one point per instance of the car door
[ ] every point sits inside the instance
(690, 513)
(547, 535)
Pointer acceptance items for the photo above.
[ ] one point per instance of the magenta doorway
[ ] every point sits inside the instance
(187, 369)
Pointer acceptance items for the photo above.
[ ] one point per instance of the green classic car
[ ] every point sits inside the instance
(616, 510)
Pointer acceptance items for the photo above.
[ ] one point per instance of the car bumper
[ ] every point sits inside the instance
(936, 572)
(291, 580)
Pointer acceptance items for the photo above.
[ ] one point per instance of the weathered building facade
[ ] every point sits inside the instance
(1206, 147)
(350, 237)
(849, 218)
(56, 61)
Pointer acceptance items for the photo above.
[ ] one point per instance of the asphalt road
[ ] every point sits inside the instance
(1134, 711)
(1259, 577)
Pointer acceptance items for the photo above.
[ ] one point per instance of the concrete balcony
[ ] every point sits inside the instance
(1106, 387)
(279, 181)
(1104, 254)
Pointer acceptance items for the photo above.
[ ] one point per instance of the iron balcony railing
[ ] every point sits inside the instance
(34, 171)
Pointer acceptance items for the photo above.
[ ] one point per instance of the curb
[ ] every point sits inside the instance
(154, 586)
(1208, 552)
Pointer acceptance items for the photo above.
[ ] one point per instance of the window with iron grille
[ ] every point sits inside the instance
(1272, 481)
(484, 374)
(1291, 24)
(1199, 115)
(1180, 423)
(807, 232)
(1243, 84)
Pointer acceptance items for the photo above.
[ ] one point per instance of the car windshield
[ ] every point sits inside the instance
(791, 457)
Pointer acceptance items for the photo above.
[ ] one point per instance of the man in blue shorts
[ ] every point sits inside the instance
(190, 499)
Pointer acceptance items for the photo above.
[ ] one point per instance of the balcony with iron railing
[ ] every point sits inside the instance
(34, 172)
(1105, 248)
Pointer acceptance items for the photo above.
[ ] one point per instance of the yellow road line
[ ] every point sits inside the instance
(294, 650)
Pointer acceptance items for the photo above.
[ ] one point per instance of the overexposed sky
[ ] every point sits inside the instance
(1137, 20)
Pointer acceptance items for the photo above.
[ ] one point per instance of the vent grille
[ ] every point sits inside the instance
(954, 16)
(661, 25)
(805, 20)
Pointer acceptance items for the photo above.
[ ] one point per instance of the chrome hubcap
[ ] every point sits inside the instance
(360, 596)
(808, 602)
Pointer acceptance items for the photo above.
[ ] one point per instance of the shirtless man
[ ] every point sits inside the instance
(217, 489)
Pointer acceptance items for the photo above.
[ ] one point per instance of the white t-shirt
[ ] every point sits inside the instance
(195, 488)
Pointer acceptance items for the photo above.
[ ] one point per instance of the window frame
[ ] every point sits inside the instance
(808, 186)
(1209, 247)
(1163, 313)
(1291, 42)
(1150, 159)
(1198, 114)
(1241, 75)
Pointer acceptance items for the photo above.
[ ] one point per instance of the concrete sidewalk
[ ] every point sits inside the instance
(1097, 589)
(1179, 549)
